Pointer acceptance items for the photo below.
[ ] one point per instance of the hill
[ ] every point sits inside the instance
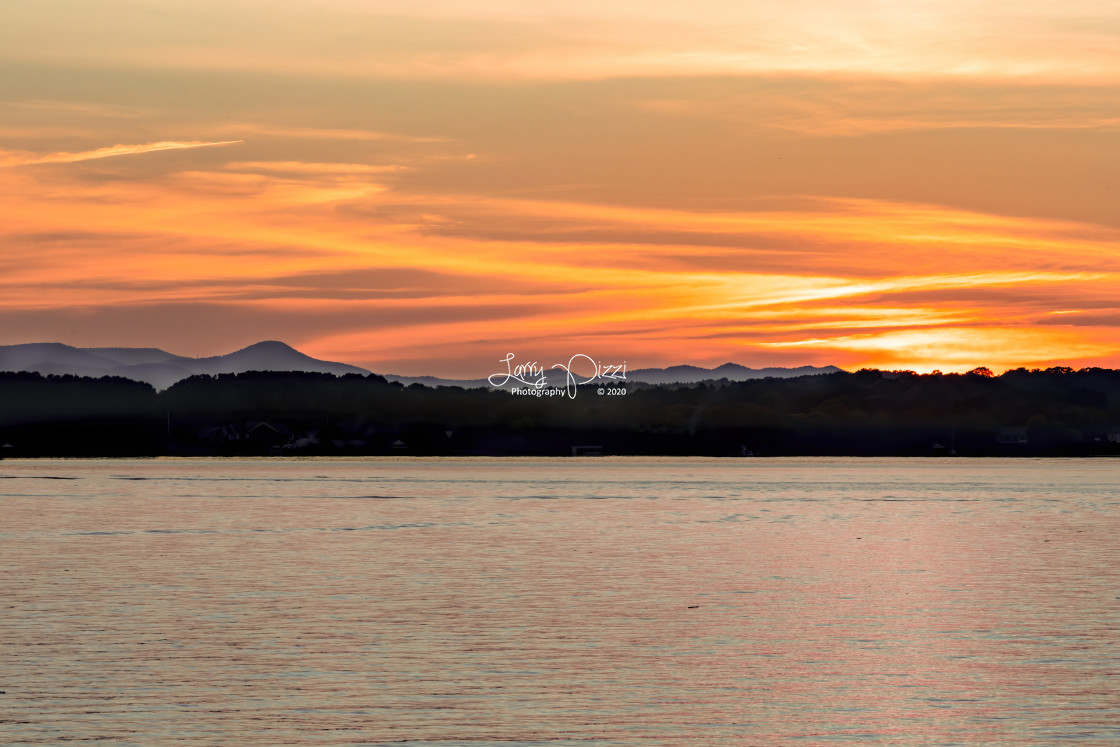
(158, 367)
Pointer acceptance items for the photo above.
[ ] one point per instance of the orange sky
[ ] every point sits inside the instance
(423, 189)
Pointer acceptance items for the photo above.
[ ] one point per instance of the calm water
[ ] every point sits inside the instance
(563, 602)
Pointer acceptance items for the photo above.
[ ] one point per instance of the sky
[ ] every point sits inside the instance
(425, 187)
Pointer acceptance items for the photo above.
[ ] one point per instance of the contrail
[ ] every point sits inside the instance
(118, 150)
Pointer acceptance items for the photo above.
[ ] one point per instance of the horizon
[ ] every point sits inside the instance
(292, 348)
(426, 189)
(471, 377)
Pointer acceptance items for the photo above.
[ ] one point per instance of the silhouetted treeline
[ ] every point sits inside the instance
(76, 416)
(1057, 411)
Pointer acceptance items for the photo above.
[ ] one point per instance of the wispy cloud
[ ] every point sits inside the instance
(584, 39)
(109, 152)
(329, 133)
(305, 167)
(848, 281)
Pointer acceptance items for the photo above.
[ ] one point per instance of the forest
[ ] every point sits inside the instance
(1051, 412)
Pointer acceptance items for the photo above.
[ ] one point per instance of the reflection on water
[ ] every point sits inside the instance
(560, 602)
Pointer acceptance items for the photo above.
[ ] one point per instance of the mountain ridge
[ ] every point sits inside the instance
(679, 374)
(158, 367)
(161, 369)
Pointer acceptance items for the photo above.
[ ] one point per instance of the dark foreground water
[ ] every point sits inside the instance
(491, 602)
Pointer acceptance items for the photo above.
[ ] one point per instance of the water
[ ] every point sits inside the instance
(491, 602)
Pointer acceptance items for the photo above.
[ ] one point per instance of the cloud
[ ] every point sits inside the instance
(960, 348)
(330, 133)
(824, 220)
(861, 105)
(820, 279)
(109, 152)
(584, 40)
(304, 167)
(208, 327)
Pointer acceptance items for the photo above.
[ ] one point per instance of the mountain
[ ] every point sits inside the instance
(162, 369)
(729, 371)
(157, 367)
(672, 375)
(271, 356)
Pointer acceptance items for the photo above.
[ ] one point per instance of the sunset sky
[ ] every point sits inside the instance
(423, 187)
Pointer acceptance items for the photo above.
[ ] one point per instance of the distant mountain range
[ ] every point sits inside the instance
(162, 369)
(156, 367)
(729, 371)
(670, 375)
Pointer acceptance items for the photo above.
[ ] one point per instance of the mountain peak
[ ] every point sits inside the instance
(269, 346)
(266, 354)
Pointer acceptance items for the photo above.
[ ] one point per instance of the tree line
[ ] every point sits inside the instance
(1055, 411)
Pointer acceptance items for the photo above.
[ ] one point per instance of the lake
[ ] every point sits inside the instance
(499, 602)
